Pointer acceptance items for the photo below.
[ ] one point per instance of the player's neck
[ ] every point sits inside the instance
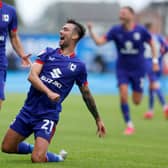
(67, 51)
(129, 26)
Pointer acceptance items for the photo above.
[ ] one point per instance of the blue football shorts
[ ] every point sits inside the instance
(136, 80)
(153, 76)
(2, 84)
(25, 125)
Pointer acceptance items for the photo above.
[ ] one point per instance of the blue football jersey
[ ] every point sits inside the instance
(8, 22)
(59, 73)
(161, 48)
(130, 46)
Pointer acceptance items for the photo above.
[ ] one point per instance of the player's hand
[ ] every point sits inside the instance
(101, 131)
(155, 67)
(89, 26)
(53, 96)
(26, 62)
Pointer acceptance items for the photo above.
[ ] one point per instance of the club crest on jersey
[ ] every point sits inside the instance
(72, 66)
(56, 73)
(5, 17)
(137, 36)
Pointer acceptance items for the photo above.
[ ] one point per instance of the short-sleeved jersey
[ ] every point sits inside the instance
(59, 73)
(130, 46)
(8, 22)
(161, 49)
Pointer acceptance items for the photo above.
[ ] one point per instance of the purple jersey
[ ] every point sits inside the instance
(130, 47)
(161, 48)
(8, 22)
(59, 73)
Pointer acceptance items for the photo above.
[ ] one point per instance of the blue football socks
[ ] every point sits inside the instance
(25, 148)
(125, 112)
(52, 157)
(160, 96)
(151, 99)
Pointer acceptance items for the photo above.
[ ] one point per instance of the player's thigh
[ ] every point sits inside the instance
(44, 129)
(123, 81)
(40, 150)
(11, 140)
(2, 84)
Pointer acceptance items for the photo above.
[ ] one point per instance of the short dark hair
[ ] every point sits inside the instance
(130, 9)
(79, 28)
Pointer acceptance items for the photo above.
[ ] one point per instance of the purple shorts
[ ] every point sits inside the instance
(2, 84)
(136, 80)
(26, 125)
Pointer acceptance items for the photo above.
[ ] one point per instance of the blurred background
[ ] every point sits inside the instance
(40, 21)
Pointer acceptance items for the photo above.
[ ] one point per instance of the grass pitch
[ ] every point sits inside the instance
(76, 133)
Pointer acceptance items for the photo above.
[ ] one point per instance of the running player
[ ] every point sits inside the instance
(130, 69)
(154, 84)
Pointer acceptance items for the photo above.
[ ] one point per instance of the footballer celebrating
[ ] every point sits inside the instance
(130, 67)
(52, 77)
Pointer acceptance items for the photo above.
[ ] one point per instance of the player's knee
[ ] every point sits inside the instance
(37, 157)
(124, 99)
(6, 148)
(137, 101)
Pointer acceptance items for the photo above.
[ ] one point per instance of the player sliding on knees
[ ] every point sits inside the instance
(52, 77)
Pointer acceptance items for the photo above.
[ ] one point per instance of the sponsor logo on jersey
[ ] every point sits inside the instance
(51, 81)
(5, 17)
(56, 73)
(129, 48)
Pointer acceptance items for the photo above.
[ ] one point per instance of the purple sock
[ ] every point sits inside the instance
(52, 157)
(151, 98)
(160, 96)
(25, 148)
(125, 112)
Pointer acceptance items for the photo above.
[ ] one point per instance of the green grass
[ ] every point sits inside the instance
(76, 133)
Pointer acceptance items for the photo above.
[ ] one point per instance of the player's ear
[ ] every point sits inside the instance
(75, 36)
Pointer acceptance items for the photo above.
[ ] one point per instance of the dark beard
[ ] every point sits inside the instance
(63, 46)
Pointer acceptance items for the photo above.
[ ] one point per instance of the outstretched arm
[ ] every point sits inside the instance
(98, 40)
(38, 84)
(16, 44)
(91, 105)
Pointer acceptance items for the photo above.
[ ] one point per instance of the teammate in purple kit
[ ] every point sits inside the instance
(8, 25)
(52, 77)
(130, 67)
(154, 84)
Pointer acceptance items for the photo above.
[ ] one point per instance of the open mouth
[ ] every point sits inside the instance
(61, 38)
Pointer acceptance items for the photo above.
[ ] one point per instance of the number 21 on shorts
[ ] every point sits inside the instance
(48, 125)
